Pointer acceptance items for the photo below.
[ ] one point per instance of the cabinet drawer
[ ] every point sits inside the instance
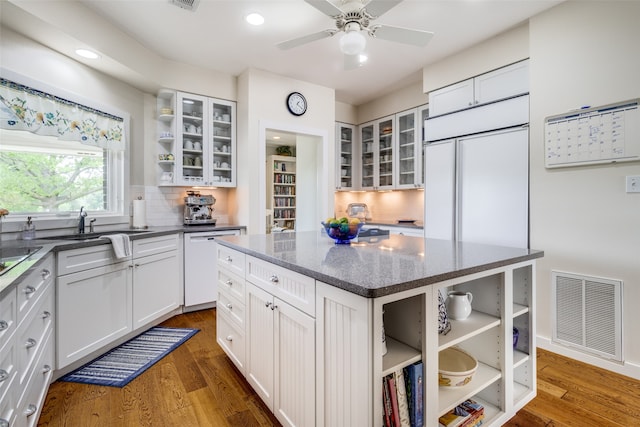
(31, 402)
(155, 245)
(232, 340)
(82, 259)
(33, 287)
(8, 367)
(231, 284)
(8, 316)
(291, 287)
(232, 307)
(230, 259)
(8, 404)
(32, 332)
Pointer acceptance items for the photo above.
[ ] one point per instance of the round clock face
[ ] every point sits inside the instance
(296, 103)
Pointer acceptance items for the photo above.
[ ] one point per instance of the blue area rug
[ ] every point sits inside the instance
(120, 366)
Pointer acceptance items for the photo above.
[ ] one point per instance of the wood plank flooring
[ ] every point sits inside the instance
(196, 385)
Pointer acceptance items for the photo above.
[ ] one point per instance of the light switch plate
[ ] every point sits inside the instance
(633, 184)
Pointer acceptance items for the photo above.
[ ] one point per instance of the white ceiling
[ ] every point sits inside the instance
(215, 36)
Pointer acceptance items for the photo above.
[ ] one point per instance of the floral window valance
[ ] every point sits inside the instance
(25, 108)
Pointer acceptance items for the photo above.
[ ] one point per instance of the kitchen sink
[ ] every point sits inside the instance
(93, 236)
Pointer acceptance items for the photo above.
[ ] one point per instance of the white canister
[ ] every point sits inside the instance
(459, 305)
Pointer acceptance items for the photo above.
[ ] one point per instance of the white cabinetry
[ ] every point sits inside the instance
(197, 141)
(281, 340)
(502, 83)
(346, 157)
(377, 161)
(281, 191)
(408, 150)
(157, 278)
(230, 319)
(27, 345)
(94, 303)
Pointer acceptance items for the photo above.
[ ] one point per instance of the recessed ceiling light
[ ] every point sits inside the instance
(255, 19)
(86, 53)
(276, 137)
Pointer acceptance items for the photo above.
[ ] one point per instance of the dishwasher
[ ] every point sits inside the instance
(201, 269)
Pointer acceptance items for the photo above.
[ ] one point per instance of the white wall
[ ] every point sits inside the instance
(585, 53)
(261, 104)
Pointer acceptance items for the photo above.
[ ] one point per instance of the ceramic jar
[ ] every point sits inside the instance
(459, 305)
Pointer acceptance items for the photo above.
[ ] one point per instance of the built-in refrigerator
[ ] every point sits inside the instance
(477, 185)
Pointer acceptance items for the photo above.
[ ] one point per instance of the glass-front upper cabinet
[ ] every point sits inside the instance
(368, 157)
(409, 150)
(222, 154)
(386, 161)
(166, 146)
(191, 139)
(346, 159)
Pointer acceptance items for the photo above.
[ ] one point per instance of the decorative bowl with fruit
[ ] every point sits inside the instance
(342, 230)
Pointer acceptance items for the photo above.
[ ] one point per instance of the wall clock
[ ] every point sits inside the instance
(296, 103)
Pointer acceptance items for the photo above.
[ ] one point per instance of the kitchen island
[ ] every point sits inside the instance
(305, 325)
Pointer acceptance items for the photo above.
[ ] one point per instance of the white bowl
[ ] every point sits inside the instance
(455, 367)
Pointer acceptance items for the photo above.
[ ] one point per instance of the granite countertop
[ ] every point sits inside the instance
(41, 247)
(380, 267)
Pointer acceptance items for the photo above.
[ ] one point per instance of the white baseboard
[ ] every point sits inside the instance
(625, 368)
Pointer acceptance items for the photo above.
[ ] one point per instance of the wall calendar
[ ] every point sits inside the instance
(606, 134)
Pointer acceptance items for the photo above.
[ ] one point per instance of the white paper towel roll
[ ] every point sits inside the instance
(139, 214)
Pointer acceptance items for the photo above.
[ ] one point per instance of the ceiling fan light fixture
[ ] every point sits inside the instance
(353, 43)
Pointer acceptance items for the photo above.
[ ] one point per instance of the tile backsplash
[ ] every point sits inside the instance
(384, 206)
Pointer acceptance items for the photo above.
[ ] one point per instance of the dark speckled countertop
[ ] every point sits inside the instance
(377, 268)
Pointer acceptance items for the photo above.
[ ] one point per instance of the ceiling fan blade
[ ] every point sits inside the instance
(351, 62)
(289, 44)
(325, 7)
(401, 35)
(377, 8)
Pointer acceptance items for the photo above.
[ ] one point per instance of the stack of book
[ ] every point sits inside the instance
(468, 414)
(403, 398)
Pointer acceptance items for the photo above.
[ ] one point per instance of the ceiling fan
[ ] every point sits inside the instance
(354, 18)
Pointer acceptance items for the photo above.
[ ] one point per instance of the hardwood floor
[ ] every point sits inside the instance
(196, 385)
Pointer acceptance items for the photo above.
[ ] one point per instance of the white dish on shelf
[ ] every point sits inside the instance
(455, 367)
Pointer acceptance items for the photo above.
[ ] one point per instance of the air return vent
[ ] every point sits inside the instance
(191, 5)
(587, 314)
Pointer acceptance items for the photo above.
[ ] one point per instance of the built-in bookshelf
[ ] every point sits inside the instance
(281, 197)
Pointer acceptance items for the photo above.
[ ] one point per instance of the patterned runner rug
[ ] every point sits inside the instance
(122, 364)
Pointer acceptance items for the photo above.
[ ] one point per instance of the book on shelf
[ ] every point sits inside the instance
(401, 394)
(394, 401)
(414, 386)
(468, 414)
(388, 413)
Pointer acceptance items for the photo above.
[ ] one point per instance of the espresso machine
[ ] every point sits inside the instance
(198, 209)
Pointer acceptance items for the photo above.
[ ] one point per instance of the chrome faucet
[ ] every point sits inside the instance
(81, 217)
(91, 221)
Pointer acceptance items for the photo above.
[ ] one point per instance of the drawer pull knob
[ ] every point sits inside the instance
(31, 409)
(229, 338)
(4, 423)
(229, 259)
(3, 325)
(273, 306)
(30, 343)
(46, 314)
(274, 279)
(267, 304)
(46, 369)
(46, 273)
(229, 283)
(229, 306)
(29, 290)
(3, 375)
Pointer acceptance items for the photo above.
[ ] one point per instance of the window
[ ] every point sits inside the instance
(66, 156)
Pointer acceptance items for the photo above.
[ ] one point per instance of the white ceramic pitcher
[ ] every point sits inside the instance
(459, 305)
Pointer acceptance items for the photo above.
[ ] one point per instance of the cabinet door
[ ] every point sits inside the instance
(386, 156)
(156, 287)
(368, 156)
(502, 83)
(408, 150)
(220, 152)
(451, 98)
(346, 158)
(294, 339)
(260, 344)
(93, 309)
(440, 190)
(192, 136)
